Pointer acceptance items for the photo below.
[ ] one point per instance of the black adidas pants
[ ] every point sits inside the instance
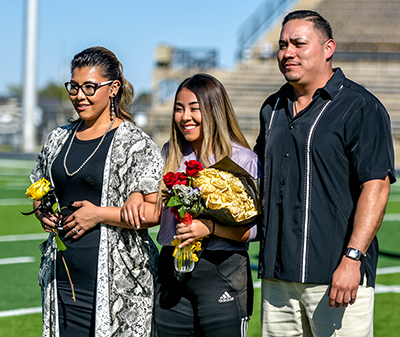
(215, 300)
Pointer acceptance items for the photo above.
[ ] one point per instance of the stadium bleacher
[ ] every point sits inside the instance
(368, 51)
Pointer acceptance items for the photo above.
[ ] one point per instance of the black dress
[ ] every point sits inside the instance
(78, 318)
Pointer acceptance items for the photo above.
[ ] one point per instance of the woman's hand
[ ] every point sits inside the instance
(197, 230)
(83, 219)
(141, 211)
(48, 220)
(204, 227)
(132, 212)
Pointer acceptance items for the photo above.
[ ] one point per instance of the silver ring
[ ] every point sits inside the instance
(76, 231)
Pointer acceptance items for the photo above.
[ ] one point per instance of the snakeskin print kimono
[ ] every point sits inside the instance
(127, 257)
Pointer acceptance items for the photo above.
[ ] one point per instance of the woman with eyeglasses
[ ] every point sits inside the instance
(95, 163)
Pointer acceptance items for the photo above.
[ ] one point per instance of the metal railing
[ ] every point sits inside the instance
(366, 56)
(166, 89)
(201, 58)
(258, 22)
(180, 63)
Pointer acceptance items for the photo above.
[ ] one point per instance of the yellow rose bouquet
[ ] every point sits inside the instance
(229, 192)
(224, 191)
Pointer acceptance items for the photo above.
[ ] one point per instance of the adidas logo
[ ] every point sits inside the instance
(225, 297)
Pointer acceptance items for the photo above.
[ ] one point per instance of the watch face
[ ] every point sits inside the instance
(353, 254)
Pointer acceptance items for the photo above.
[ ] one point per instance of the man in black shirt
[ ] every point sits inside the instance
(327, 151)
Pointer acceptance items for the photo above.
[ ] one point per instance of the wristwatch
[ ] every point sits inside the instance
(354, 254)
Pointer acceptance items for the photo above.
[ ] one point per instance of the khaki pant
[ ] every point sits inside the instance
(297, 309)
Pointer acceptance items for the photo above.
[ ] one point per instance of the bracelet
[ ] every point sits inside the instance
(136, 191)
(213, 228)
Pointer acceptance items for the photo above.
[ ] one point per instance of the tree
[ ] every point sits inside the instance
(52, 90)
(15, 90)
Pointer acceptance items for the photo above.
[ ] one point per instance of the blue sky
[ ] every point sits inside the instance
(130, 28)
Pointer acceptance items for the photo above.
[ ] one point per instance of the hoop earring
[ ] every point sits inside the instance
(112, 112)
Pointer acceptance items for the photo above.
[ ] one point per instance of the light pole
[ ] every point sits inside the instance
(29, 101)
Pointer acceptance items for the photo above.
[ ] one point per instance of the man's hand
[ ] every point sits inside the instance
(345, 282)
(367, 220)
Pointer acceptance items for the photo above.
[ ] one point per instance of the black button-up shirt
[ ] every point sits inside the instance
(314, 165)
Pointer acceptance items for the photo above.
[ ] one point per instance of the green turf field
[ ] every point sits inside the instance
(18, 277)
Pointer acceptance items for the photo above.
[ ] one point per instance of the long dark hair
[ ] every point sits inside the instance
(109, 68)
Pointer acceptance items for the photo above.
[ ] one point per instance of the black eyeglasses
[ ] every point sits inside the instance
(89, 89)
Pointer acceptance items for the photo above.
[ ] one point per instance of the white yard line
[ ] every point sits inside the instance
(392, 217)
(14, 185)
(42, 236)
(24, 164)
(394, 197)
(16, 260)
(381, 289)
(23, 175)
(388, 270)
(23, 237)
(19, 312)
(15, 202)
(257, 284)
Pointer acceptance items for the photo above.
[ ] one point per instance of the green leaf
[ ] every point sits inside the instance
(182, 212)
(174, 201)
(55, 208)
(195, 208)
(60, 244)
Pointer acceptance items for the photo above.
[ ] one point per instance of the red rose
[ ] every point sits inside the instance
(182, 179)
(187, 219)
(193, 167)
(170, 179)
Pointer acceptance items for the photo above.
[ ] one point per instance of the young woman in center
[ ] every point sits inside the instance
(217, 298)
